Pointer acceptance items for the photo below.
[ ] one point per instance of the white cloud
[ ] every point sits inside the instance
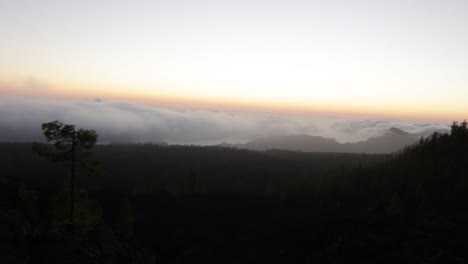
(363, 129)
(20, 120)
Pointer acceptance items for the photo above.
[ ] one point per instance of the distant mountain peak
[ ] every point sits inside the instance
(393, 140)
(398, 131)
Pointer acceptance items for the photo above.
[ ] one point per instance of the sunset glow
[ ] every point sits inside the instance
(368, 58)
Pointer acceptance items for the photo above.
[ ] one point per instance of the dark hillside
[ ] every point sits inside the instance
(218, 169)
(182, 204)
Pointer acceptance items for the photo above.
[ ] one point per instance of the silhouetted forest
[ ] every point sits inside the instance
(192, 204)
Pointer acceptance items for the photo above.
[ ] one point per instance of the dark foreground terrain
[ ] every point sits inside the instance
(182, 204)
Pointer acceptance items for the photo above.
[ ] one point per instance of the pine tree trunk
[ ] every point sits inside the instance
(72, 185)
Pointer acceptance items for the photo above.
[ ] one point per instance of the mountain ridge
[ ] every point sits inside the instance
(392, 140)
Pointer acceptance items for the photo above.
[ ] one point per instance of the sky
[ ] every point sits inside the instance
(404, 60)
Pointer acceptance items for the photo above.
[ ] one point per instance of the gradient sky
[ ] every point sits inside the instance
(391, 58)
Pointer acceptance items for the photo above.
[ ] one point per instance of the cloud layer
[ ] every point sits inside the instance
(363, 129)
(20, 120)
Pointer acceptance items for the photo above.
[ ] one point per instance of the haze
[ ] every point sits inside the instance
(348, 60)
(117, 122)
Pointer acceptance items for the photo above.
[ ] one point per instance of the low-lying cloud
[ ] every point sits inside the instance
(358, 130)
(21, 118)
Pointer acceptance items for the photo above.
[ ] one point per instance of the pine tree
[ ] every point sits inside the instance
(69, 145)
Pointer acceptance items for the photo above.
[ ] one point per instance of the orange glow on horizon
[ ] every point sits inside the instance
(443, 114)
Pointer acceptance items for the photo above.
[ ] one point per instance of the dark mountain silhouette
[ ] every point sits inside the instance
(191, 204)
(393, 140)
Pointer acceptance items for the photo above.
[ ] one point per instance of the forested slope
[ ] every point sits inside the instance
(183, 204)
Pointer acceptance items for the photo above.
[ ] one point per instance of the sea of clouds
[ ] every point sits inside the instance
(120, 122)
